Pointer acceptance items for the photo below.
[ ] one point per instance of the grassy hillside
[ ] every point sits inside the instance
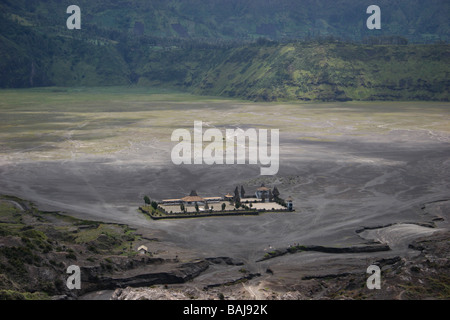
(301, 71)
(37, 247)
(29, 57)
(305, 71)
(153, 44)
(232, 19)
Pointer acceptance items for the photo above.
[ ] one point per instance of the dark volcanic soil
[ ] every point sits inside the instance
(391, 187)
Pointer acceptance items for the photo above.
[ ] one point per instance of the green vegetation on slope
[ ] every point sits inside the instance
(325, 71)
(240, 19)
(301, 71)
(36, 248)
(142, 43)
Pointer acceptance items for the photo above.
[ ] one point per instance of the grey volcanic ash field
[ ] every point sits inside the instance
(359, 174)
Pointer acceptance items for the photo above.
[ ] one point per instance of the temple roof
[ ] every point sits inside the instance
(192, 199)
(263, 188)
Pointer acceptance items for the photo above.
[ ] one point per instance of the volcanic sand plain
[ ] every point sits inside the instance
(381, 167)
